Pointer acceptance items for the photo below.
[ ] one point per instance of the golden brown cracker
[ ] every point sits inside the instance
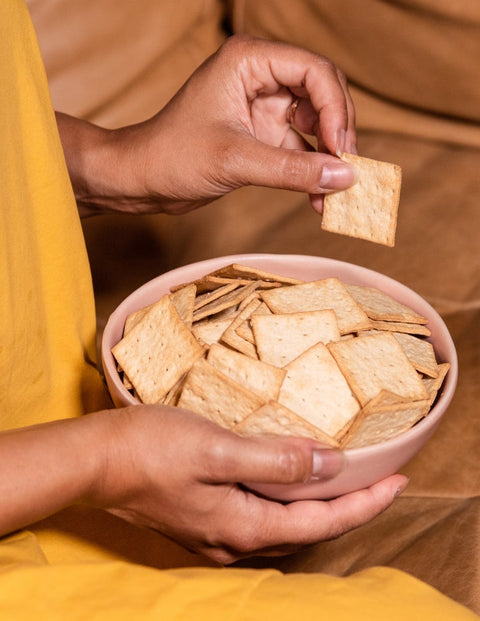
(368, 209)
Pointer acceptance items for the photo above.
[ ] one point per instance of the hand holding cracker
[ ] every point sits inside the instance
(239, 120)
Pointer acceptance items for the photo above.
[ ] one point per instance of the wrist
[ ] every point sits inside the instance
(112, 472)
(101, 164)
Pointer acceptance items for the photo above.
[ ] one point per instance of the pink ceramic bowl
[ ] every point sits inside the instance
(364, 466)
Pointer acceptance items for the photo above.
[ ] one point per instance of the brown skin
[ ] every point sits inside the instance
(132, 469)
(226, 128)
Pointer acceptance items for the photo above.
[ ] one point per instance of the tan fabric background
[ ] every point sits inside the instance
(415, 75)
(413, 65)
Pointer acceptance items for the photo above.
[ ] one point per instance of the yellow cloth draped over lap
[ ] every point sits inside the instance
(75, 565)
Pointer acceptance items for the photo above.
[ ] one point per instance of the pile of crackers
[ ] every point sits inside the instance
(260, 353)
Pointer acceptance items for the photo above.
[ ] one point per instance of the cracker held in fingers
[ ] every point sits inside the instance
(367, 210)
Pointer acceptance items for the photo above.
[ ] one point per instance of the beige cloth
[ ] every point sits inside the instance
(415, 75)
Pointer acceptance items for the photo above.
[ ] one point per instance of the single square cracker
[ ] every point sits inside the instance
(381, 306)
(157, 351)
(367, 210)
(377, 362)
(315, 389)
(281, 338)
(374, 425)
(275, 419)
(420, 353)
(211, 393)
(327, 293)
(261, 378)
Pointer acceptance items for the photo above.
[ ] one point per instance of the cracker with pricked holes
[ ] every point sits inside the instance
(381, 306)
(182, 299)
(211, 393)
(315, 389)
(324, 294)
(374, 363)
(235, 385)
(377, 424)
(281, 338)
(368, 209)
(133, 318)
(261, 378)
(420, 353)
(273, 418)
(210, 331)
(157, 351)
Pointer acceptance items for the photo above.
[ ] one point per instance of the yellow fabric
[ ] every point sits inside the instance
(120, 591)
(47, 371)
(46, 299)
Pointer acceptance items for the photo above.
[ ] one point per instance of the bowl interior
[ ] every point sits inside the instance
(364, 466)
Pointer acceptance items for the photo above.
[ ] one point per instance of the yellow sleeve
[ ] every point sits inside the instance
(47, 319)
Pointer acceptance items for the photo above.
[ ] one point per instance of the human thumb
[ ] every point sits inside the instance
(277, 460)
(289, 169)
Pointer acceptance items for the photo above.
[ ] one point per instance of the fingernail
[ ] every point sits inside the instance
(337, 176)
(352, 148)
(327, 463)
(340, 143)
(401, 488)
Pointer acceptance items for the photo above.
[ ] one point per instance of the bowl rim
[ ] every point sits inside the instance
(419, 304)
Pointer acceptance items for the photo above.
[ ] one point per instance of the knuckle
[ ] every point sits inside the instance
(292, 465)
(243, 541)
(236, 45)
(218, 459)
(234, 540)
(324, 62)
(215, 457)
(231, 162)
(303, 174)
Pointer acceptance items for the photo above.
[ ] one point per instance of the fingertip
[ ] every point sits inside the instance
(401, 486)
(316, 201)
(340, 142)
(337, 175)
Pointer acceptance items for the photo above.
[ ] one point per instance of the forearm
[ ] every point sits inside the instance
(48, 467)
